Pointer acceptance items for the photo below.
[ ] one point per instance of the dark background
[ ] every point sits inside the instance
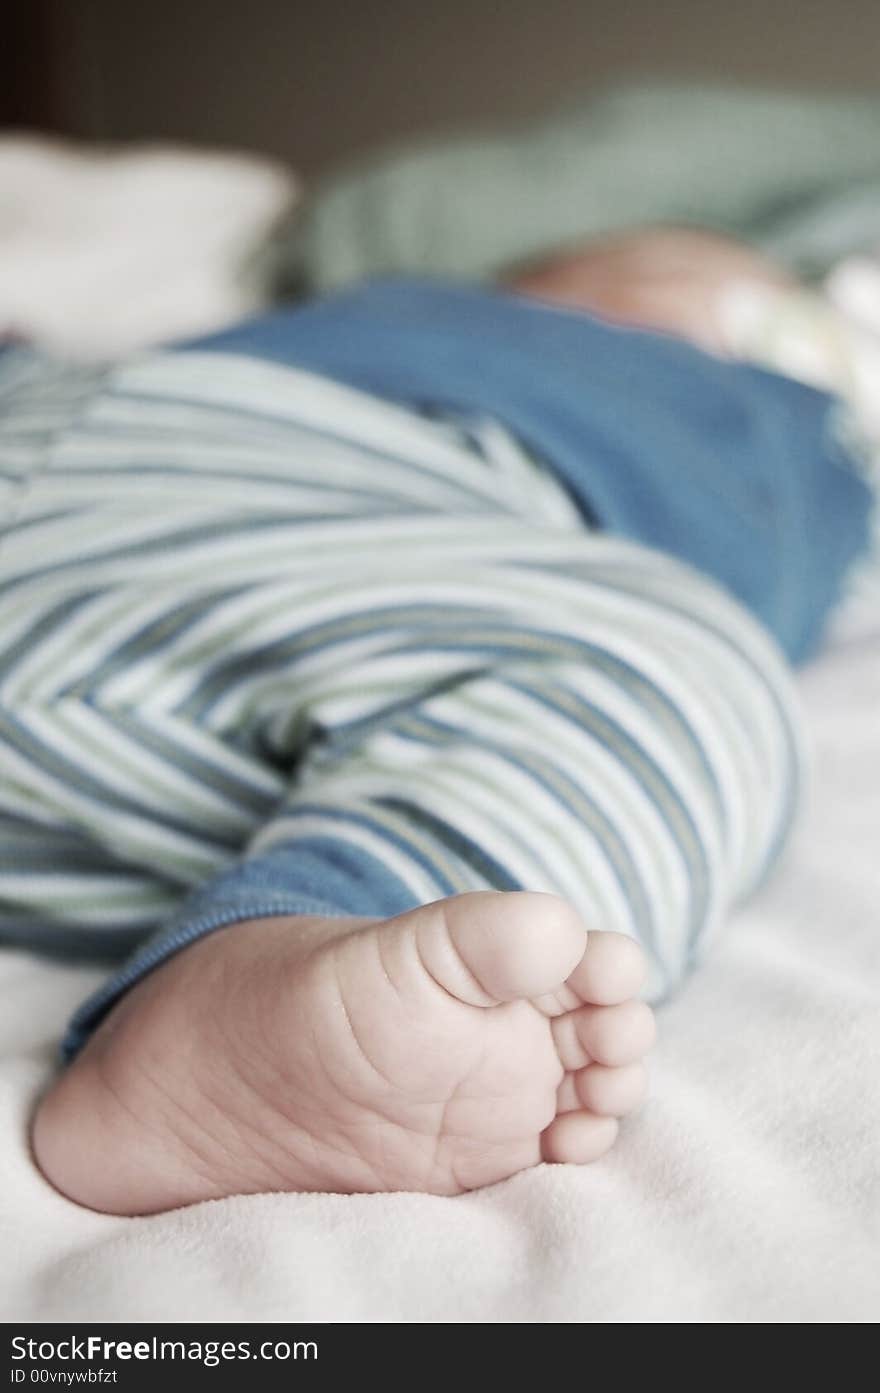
(316, 81)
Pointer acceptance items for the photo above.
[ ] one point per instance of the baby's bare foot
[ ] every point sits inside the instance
(438, 1051)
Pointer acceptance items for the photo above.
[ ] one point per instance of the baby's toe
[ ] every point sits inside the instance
(611, 1035)
(576, 1138)
(487, 947)
(604, 1091)
(612, 969)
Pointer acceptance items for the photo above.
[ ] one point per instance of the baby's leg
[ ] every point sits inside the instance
(227, 580)
(350, 1009)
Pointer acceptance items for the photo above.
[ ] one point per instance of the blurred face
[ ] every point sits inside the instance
(667, 279)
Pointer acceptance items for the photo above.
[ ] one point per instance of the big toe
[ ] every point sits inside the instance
(487, 947)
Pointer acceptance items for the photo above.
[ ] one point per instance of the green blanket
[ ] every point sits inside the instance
(797, 173)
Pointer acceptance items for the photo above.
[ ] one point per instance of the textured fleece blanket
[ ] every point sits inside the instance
(797, 172)
(746, 1190)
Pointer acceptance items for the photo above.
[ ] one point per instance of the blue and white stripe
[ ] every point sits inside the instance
(252, 618)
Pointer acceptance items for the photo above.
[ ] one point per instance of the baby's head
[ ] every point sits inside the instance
(669, 279)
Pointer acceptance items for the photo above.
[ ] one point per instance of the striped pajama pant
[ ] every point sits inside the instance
(268, 645)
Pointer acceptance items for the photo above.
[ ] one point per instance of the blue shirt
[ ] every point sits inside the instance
(733, 469)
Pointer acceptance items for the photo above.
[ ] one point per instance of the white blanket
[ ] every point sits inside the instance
(747, 1190)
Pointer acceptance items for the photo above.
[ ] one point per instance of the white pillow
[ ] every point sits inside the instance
(105, 250)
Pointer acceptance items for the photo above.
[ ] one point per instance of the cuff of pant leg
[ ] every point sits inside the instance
(182, 931)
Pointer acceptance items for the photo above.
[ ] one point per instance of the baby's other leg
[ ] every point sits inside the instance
(604, 739)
